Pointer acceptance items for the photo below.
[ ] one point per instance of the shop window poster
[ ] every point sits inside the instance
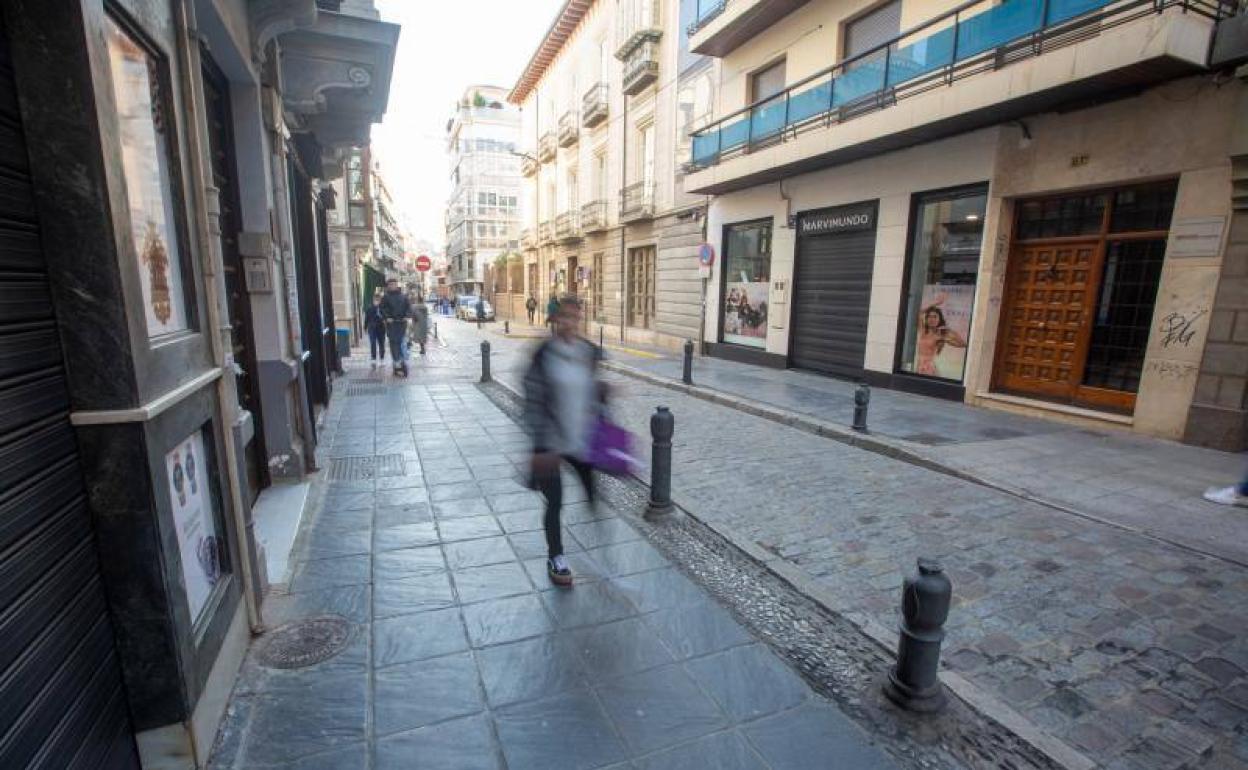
(745, 311)
(194, 520)
(944, 324)
(146, 167)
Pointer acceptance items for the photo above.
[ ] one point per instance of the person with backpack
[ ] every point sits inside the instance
(552, 310)
(530, 305)
(375, 328)
(562, 399)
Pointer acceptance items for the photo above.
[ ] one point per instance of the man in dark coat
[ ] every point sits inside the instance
(396, 309)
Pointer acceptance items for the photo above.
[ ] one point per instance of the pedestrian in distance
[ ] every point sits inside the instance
(530, 305)
(1236, 494)
(420, 324)
(375, 327)
(552, 310)
(562, 399)
(396, 309)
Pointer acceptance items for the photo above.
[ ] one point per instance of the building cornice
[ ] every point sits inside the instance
(561, 29)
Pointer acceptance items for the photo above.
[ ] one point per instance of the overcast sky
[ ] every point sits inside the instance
(444, 47)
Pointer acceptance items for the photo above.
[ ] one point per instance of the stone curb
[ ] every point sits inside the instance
(891, 448)
(976, 698)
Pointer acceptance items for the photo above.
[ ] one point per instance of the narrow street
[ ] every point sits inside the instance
(461, 654)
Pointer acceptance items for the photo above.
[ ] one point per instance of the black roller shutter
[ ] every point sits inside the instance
(831, 302)
(61, 698)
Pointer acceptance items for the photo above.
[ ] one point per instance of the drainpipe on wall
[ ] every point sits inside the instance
(623, 227)
(205, 198)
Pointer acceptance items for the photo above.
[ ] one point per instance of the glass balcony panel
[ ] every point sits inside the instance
(705, 147)
(768, 119)
(914, 58)
(813, 100)
(736, 133)
(709, 8)
(1061, 10)
(863, 79)
(997, 26)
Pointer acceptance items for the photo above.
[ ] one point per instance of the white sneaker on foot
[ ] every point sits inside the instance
(1226, 496)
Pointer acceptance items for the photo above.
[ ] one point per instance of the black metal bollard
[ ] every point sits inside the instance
(662, 425)
(600, 337)
(485, 360)
(862, 399)
(506, 327)
(687, 376)
(913, 682)
(435, 330)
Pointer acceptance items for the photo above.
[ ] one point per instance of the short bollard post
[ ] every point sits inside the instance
(485, 360)
(435, 330)
(506, 327)
(913, 684)
(687, 377)
(862, 399)
(662, 425)
(599, 336)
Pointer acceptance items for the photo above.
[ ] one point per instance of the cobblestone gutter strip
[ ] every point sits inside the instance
(844, 658)
(892, 448)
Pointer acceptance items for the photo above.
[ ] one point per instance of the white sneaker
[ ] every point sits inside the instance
(1226, 496)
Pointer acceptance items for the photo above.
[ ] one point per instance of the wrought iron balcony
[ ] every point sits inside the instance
(546, 147)
(594, 217)
(639, 21)
(528, 164)
(545, 233)
(594, 105)
(637, 202)
(569, 131)
(641, 66)
(568, 226)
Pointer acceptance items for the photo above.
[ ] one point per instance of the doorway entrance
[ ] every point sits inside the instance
(1079, 295)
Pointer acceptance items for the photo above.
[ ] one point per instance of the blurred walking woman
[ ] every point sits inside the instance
(562, 397)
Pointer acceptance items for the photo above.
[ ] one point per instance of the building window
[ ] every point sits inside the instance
(595, 291)
(767, 82)
(358, 214)
(746, 279)
(641, 287)
(645, 158)
(355, 177)
(946, 235)
(873, 29)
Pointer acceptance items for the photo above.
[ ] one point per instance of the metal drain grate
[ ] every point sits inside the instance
(364, 468)
(305, 642)
(364, 388)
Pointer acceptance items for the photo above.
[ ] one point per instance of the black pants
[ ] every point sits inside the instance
(396, 331)
(551, 486)
(531, 312)
(377, 343)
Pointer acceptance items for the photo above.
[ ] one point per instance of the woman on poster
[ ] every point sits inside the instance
(934, 336)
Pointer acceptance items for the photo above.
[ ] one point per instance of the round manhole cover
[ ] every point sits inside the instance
(305, 642)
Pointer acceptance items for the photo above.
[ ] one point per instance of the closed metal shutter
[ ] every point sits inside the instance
(831, 302)
(61, 698)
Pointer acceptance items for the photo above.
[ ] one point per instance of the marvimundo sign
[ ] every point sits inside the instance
(839, 220)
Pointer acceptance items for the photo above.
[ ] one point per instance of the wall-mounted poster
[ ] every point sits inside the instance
(195, 520)
(747, 279)
(944, 324)
(745, 312)
(144, 130)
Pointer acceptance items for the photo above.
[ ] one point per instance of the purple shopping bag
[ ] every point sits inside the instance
(611, 448)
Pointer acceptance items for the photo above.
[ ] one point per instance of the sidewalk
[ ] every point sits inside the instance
(461, 654)
(1139, 483)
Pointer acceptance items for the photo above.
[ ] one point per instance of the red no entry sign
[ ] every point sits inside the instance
(423, 263)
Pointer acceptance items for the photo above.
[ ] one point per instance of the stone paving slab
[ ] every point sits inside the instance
(464, 656)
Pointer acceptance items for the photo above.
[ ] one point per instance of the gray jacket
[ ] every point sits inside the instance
(539, 418)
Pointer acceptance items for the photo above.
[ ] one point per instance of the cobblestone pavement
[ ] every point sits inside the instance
(1138, 482)
(1129, 649)
(463, 656)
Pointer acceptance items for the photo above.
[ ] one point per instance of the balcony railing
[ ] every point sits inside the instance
(594, 217)
(639, 20)
(641, 67)
(546, 147)
(708, 11)
(545, 232)
(528, 164)
(951, 46)
(569, 130)
(594, 105)
(568, 226)
(637, 202)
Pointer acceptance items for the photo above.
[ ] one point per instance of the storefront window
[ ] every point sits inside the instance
(145, 132)
(943, 263)
(747, 277)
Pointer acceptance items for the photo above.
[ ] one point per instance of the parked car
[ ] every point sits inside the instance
(466, 308)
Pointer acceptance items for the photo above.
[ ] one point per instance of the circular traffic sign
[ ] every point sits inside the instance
(423, 263)
(706, 254)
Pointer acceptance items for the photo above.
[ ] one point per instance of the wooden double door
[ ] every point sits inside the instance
(1078, 305)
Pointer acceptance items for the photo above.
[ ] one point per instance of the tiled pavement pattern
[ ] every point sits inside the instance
(1135, 481)
(464, 656)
